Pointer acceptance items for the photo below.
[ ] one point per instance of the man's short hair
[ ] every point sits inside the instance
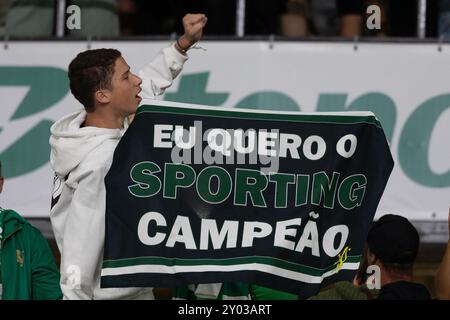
(90, 71)
(394, 240)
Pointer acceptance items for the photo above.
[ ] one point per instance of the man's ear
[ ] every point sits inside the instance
(102, 96)
(371, 258)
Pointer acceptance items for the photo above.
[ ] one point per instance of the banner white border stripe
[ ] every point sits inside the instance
(297, 276)
(172, 104)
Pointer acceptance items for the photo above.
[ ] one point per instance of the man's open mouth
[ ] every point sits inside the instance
(137, 95)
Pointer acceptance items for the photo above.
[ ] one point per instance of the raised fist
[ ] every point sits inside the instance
(193, 29)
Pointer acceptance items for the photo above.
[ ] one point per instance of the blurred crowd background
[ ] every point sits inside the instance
(285, 18)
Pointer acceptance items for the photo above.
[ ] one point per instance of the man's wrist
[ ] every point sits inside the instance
(183, 43)
(179, 48)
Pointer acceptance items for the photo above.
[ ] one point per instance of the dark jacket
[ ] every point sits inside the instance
(28, 268)
(404, 290)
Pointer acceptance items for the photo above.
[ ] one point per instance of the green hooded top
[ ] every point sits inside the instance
(345, 290)
(28, 269)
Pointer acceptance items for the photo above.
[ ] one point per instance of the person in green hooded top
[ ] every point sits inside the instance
(27, 266)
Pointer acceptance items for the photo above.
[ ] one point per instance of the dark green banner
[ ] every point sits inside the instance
(200, 194)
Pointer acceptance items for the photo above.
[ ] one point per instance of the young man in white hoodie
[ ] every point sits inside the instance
(83, 144)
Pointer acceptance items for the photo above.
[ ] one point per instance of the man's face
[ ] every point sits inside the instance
(125, 89)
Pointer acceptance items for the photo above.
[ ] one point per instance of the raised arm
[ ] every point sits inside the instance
(159, 74)
(193, 30)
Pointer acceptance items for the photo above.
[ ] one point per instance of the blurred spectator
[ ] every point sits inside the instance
(393, 244)
(127, 15)
(353, 17)
(304, 18)
(36, 18)
(325, 20)
(398, 18)
(443, 273)
(444, 19)
(140, 17)
(350, 13)
(31, 18)
(99, 18)
(3, 10)
(294, 22)
(27, 267)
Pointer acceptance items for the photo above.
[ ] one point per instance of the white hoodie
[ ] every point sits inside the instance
(81, 158)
